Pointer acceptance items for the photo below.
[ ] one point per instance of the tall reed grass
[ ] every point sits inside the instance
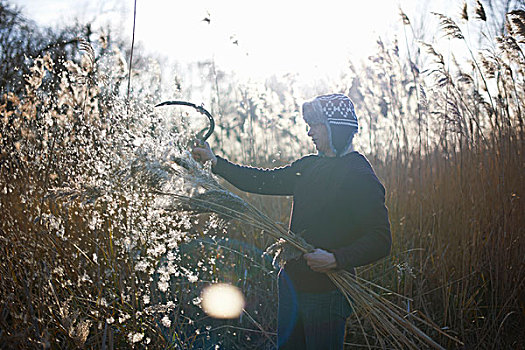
(91, 258)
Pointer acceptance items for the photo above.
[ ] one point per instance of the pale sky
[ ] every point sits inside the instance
(253, 38)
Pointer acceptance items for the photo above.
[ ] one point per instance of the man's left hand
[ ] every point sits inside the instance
(321, 261)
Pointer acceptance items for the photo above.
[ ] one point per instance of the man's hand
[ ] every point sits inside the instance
(321, 261)
(202, 153)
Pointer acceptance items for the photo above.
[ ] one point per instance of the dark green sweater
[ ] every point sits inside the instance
(338, 206)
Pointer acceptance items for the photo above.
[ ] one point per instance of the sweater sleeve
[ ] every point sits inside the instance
(375, 240)
(277, 181)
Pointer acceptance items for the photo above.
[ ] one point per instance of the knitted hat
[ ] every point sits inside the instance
(336, 111)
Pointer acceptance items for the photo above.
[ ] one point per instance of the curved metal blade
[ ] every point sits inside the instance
(200, 109)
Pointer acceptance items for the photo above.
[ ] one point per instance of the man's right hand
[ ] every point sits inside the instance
(203, 153)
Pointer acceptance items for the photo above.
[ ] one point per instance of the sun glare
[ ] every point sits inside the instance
(252, 39)
(261, 39)
(222, 301)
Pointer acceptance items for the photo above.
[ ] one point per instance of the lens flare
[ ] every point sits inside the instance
(222, 301)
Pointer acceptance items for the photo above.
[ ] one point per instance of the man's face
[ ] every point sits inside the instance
(319, 134)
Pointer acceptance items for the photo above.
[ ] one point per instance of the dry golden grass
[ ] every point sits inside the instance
(101, 263)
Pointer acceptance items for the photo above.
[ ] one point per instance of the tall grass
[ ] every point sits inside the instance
(90, 258)
(453, 165)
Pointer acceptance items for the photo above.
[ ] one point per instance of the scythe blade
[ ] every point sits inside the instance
(200, 109)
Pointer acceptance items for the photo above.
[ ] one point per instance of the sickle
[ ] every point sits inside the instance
(200, 109)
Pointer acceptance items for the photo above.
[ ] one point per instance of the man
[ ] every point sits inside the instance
(338, 207)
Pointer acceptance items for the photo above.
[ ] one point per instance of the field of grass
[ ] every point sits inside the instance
(91, 257)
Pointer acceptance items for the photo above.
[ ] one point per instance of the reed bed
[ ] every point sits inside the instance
(94, 255)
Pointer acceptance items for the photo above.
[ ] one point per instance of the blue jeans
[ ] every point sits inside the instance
(310, 320)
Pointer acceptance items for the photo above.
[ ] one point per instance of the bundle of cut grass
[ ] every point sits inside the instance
(388, 320)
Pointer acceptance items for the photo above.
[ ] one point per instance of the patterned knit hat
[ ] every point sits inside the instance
(336, 111)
